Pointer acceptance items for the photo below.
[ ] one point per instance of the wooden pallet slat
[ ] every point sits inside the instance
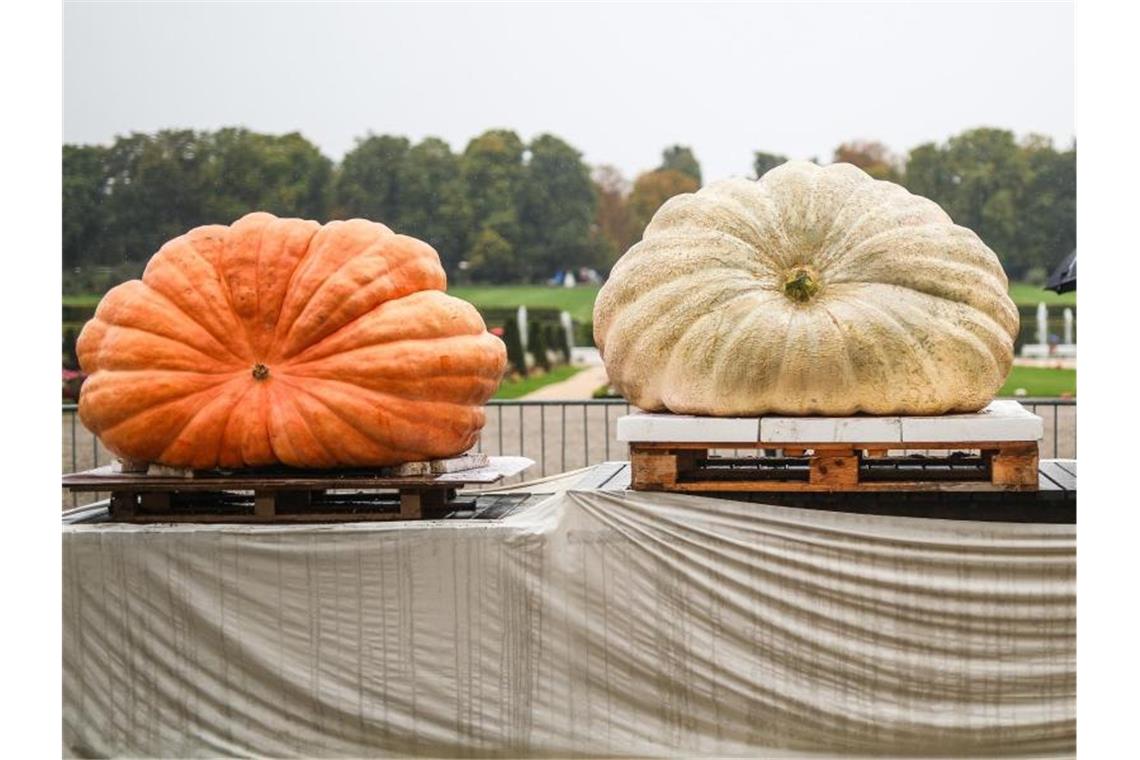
(1058, 475)
(601, 476)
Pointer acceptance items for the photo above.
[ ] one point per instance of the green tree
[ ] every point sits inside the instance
(371, 178)
(651, 190)
(492, 258)
(612, 220)
(763, 162)
(245, 171)
(155, 187)
(415, 190)
(1048, 206)
(978, 177)
(871, 156)
(434, 207)
(85, 203)
(928, 173)
(492, 173)
(156, 192)
(1019, 197)
(556, 210)
(680, 158)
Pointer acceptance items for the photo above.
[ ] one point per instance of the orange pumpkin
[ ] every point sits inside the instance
(284, 341)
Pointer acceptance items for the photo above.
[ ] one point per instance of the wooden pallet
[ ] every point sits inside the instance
(815, 467)
(476, 506)
(283, 495)
(994, 449)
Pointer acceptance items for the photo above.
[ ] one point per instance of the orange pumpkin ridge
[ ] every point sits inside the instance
(281, 341)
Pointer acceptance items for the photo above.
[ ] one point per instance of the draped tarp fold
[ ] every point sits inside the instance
(593, 623)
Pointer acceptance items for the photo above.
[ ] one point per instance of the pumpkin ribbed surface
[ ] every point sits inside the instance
(814, 290)
(282, 341)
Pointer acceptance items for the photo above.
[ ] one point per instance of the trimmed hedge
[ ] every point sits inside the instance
(515, 354)
(537, 338)
(498, 315)
(584, 334)
(70, 335)
(80, 314)
(556, 340)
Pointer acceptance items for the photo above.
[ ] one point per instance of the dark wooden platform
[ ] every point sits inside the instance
(1053, 501)
(475, 507)
(286, 495)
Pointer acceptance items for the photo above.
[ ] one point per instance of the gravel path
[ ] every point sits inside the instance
(581, 385)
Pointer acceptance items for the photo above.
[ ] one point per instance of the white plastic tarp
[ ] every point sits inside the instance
(594, 623)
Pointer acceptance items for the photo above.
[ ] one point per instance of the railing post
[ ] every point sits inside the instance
(74, 445)
(585, 435)
(1055, 431)
(606, 409)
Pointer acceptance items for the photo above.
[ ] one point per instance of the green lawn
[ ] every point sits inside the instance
(578, 301)
(86, 299)
(517, 388)
(1040, 381)
(1024, 294)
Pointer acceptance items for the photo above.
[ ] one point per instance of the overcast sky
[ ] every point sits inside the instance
(619, 82)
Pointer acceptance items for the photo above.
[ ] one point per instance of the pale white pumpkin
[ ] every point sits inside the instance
(814, 290)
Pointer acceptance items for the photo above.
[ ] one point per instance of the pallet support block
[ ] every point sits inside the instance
(415, 502)
(123, 505)
(662, 467)
(268, 503)
(1015, 465)
(836, 468)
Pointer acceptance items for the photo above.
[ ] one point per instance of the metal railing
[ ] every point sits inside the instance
(561, 435)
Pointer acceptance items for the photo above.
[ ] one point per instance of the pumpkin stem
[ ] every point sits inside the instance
(801, 283)
(260, 371)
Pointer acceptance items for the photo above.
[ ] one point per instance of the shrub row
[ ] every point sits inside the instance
(78, 313)
(544, 339)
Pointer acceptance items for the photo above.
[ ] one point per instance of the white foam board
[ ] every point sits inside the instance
(683, 428)
(831, 429)
(1000, 421)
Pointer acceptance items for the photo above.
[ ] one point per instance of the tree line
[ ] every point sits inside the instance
(506, 210)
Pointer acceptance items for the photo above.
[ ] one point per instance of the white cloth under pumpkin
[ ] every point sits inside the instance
(594, 623)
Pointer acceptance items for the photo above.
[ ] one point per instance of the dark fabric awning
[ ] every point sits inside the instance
(1064, 277)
